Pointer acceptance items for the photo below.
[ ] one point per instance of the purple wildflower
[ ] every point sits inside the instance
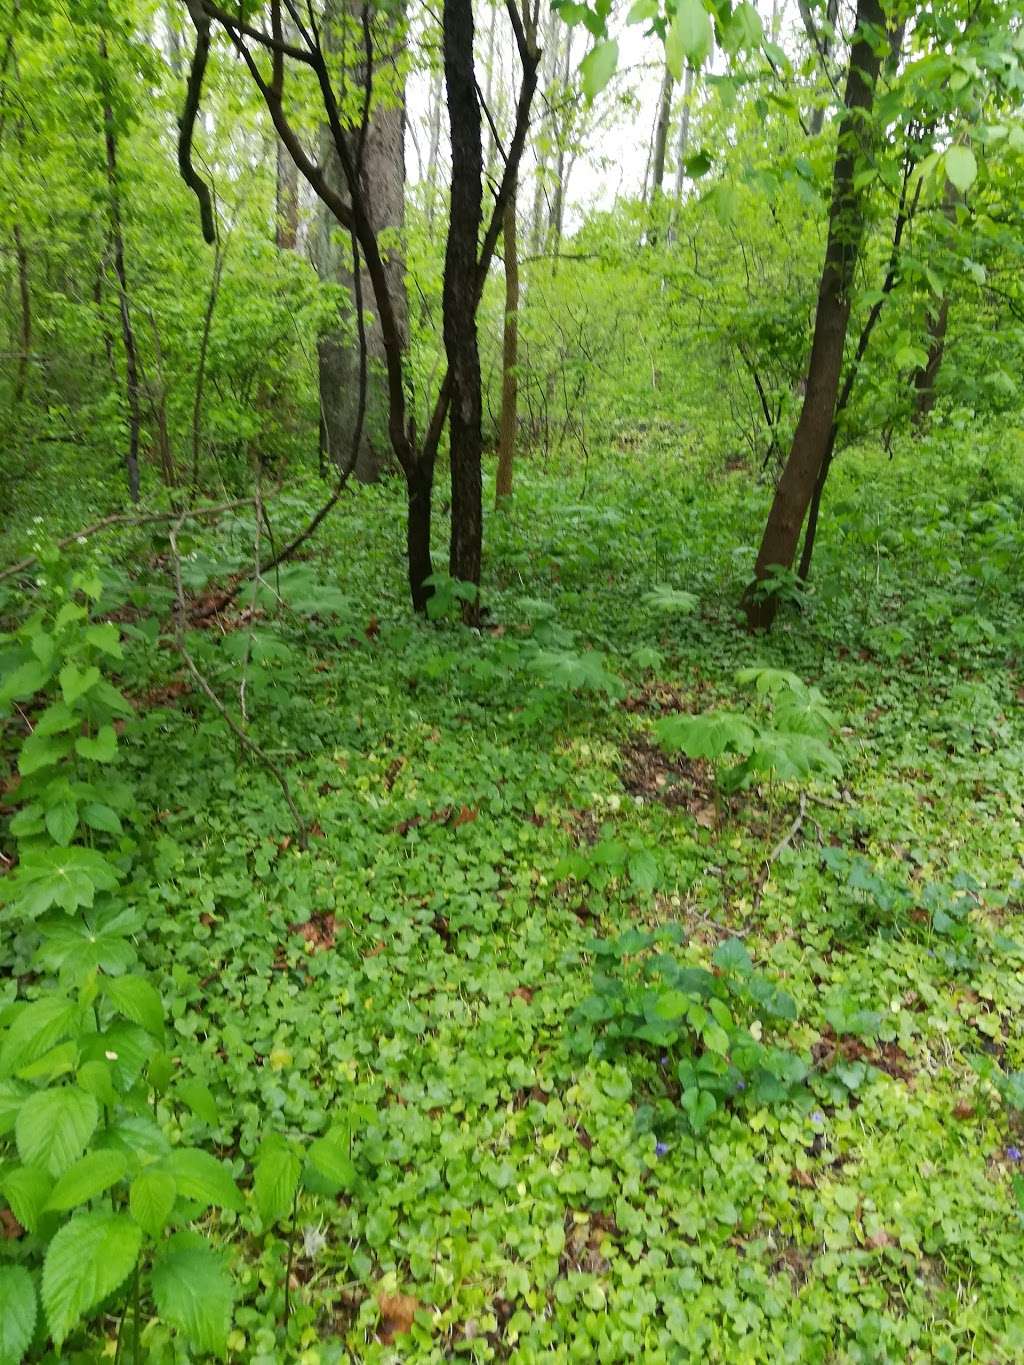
(660, 1148)
(1013, 1154)
(817, 1118)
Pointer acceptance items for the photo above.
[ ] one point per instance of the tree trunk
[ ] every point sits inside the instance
(924, 379)
(510, 356)
(661, 137)
(419, 491)
(25, 320)
(131, 358)
(845, 232)
(286, 216)
(460, 292)
(383, 189)
(433, 156)
(683, 145)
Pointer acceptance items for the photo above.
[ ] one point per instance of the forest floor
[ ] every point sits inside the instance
(497, 839)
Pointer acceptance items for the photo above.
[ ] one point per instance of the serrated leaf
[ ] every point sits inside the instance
(101, 749)
(26, 1189)
(35, 1030)
(193, 1292)
(41, 751)
(106, 638)
(75, 682)
(329, 1156)
(104, 818)
(54, 1126)
(151, 1200)
(199, 1099)
(689, 37)
(57, 719)
(275, 1179)
(61, 822)
(91, 1175)
(17, 1313)
(732, 955)
(88, 1258)
(643, 870)
(24, 681)
(137, 1000)
(201, 1177)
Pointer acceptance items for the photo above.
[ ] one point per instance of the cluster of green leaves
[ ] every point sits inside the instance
(92, 1179)
(786, 741)
(710, 1025)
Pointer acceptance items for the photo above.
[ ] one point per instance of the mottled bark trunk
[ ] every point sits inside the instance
(509, 356)
(661, 137)
(383, 190)
(845, 232)
(460, 292)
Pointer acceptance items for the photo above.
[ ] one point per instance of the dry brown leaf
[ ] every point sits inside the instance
(396, 1314)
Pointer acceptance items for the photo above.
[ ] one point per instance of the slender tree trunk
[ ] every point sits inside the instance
(661, 137)
(683, 145)
(433, 156)
(25, 320)
(286, 217)
(845, 232)
(460, 292)
(131, 357)
(928, 373)
(510, 356)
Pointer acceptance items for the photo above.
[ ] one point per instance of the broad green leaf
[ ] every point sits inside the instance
(689, 37)
(106, 638)
(91, 1175)
(961, 167)
(598, 67)
(193, 1292)
(35, 1030)
(26, 1189)
(732, 955)
(137, 1000)
(199, 1099)
(87, 1260)
(151, 1200)
(17, 1313)
(75, 682)
(275, 1179)
(642, 11)
(201, 1177)
(54, 1126)
(329, 1156)
(101, 749)
(24, 681)
(643, 870)
(41, 751)
(61, 822)
(95, 1078)
(101, 817)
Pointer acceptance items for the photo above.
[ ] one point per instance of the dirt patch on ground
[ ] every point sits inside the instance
(887, 1057)
(675, 780)
(662, 699)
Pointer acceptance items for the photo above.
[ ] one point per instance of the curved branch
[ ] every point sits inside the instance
(187, 123)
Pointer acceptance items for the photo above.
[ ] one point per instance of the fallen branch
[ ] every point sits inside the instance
(127, 519)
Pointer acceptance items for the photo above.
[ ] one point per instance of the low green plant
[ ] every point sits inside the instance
(710, 1027)
(784, 739)
(102, 1195)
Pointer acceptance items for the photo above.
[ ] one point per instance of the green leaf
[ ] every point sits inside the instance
(732, 956)
(75, 681)
(707, 736)
(54, 1126)
(193, 1292)
(106, 638)
(642, 11)
(137, 1000)
(88, 1177)
(329, 1156)
(61, 822)
(689, 37)
(598, 67)
(41, 751)
(715, 1038)
(26, 1189)
(643, 870)
(961, 167)
(101, 817)
(151, 1200)
(24, 681)
(87, 1260)
(101, 749)
(275, 1179)
(36, 1029)
(199, 1099)
(201, 1177)
(17, 1313)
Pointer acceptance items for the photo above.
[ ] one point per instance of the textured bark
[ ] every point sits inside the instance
(509, 356)
(661, 137)
(460, 292)
(832, 316)
(383, 191)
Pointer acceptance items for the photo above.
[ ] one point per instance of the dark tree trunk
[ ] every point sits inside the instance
(25, 320)
(131, 357)
(510, 356)
(845, 232)
(924, 379)
(460, 292)
(419, 492)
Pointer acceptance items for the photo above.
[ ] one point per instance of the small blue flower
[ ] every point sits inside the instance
(1014, 1154)
(664, 1060)
(741, 1085)
(817, 1118)
(660, 1148)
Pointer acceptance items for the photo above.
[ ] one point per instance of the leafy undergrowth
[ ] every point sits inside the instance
(637, 1064)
